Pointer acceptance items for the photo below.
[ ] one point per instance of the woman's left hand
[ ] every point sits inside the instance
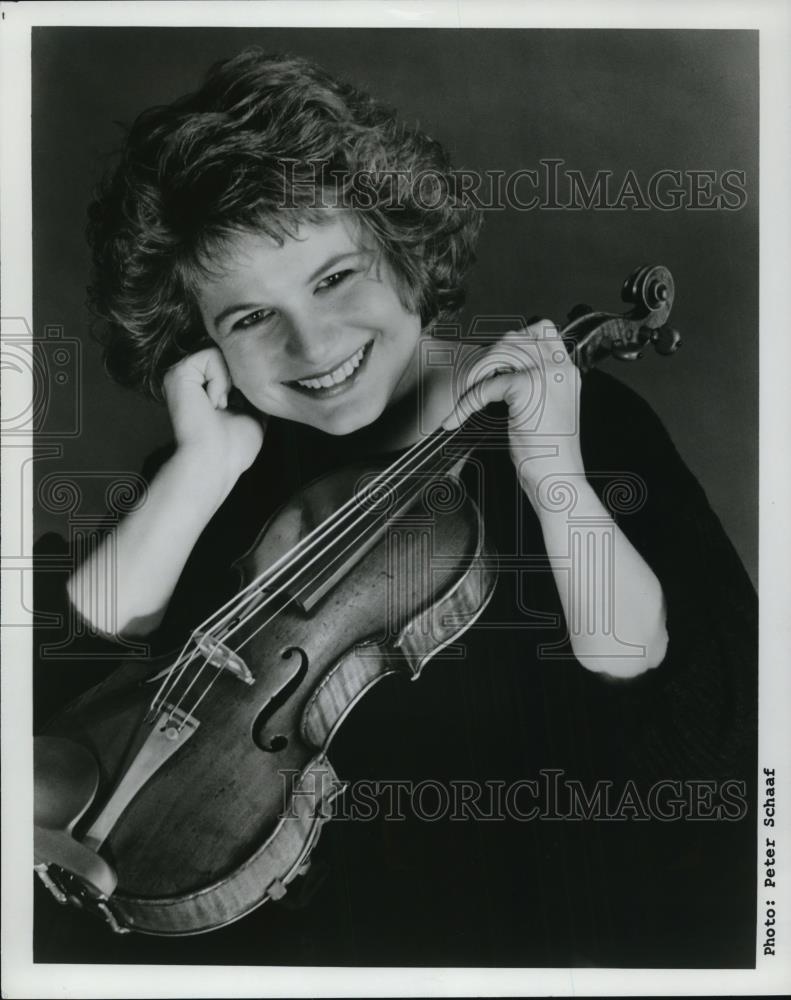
(530, 370)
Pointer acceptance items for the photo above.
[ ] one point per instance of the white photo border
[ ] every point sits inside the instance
(772, 18)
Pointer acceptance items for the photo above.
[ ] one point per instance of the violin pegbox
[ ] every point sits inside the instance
(591, 336)
(652, 291)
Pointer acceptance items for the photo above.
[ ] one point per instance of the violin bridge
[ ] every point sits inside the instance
(218, 655)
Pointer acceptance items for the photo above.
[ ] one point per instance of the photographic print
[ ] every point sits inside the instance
(389, 513)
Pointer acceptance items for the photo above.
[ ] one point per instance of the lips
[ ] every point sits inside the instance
(335, 380)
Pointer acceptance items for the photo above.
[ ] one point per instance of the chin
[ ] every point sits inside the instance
(350, 419)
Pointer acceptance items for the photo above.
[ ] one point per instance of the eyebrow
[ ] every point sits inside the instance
(244, 306)
(332, 262)
(239, 307)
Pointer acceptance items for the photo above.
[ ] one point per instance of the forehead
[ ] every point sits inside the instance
(256, 256)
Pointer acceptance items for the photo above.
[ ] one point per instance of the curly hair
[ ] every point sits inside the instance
(266, 143)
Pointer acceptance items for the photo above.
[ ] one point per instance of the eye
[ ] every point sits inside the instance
(253, 319)
(334, 279)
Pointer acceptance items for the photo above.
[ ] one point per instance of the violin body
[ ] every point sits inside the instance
(214, 827)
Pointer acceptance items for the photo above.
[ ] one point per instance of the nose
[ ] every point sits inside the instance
(311, 339)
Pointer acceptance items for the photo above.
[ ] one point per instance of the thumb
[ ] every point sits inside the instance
(497, 389)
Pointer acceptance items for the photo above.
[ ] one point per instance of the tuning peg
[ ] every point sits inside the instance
(666, 340)
(627, 353)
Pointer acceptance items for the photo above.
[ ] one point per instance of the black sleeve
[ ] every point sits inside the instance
(69, 655)
(696, 713)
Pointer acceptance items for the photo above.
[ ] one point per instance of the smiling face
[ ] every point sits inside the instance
(314, 330)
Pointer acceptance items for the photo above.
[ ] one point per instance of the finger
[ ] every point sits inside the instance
(550, 343)
(217, 378)
(541, 329)
(542, 339)
(508, 388)
(550, 353)
(533, 351)
(204, 371)
(514, 352)
(528, 347)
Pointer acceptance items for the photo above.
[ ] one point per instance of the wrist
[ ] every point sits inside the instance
(557, 491)
(201, 476)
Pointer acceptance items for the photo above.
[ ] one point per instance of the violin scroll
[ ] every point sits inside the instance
(651, 288)
(591, 336)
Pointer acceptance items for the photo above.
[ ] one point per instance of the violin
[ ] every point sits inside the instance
(334, 597)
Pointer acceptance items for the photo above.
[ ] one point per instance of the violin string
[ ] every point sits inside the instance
(432, 447)
(206, 661)
(153, 707)
(423, 450)
(288, 559)
(190, 713)
(258, 609)
(437, 445)
(161, 695)
(201, 696)
(327, 526)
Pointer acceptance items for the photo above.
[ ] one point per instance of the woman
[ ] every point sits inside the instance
(280, 257)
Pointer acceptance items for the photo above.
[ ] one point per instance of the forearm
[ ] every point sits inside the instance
(126, 583)
(612, 601)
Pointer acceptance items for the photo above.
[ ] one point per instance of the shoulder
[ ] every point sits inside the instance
(620, 430)
(610, 402)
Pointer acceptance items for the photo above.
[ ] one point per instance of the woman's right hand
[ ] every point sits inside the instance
(125, 584)
(223, 442)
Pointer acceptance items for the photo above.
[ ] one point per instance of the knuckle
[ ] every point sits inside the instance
(543, 329)
(478, 372)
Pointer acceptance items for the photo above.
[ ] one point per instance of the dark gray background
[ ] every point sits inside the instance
(499, 100)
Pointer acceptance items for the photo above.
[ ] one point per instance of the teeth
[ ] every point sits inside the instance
(340, 374)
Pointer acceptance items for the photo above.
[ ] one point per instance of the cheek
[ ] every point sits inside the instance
(374, 302)
(252, 366)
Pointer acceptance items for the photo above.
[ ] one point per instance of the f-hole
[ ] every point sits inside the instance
(278, 742)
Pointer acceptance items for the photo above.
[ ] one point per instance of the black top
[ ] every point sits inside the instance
(445, 876)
